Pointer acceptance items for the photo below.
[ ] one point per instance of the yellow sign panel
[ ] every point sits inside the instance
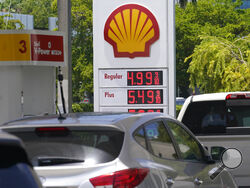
(15, 47)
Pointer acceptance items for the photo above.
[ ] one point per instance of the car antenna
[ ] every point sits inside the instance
(60, 78)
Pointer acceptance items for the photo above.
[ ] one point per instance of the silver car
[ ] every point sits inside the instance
(116, 150)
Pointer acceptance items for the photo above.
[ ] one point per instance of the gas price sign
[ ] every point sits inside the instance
(133, 78)
(145, 96)
(134, 57)
(145, 78)
(145, 110)
(142, 89)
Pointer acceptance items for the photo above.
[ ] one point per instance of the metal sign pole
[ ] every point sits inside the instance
(171, 57)
(64, 24)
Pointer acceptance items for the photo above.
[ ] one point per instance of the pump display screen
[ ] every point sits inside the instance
(141, 78)
(145, 96)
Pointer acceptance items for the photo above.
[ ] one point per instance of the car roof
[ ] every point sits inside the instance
(213, 96)
(88, 118)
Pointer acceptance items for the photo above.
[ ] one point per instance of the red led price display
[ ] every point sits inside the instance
(139, 78)
(146, 96)
(145, 110)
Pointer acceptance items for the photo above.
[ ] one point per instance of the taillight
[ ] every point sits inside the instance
(52, 131)
(128, 178)
(238, 96)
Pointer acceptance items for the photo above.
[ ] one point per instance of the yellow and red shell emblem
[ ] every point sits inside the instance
(131, 29)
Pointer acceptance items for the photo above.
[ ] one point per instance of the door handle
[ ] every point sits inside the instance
(198, 181)
(169, 181)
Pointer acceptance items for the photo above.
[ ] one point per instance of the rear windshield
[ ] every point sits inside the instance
(211, 117)
(68, 147)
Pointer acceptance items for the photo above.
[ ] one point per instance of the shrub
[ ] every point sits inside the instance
(80, 107)
(178, 109)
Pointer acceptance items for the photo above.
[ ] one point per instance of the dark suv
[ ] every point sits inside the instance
(15, 168)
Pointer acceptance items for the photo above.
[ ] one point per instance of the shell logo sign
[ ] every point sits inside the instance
(131, 29)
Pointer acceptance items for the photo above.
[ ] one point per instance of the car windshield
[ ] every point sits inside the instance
(71, 147)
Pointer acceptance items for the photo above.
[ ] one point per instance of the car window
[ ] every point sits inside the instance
(140, 137)
(90, 147)
(189, 147)
(159, 140)
(206, 117)
(238, 116)
(213, 117)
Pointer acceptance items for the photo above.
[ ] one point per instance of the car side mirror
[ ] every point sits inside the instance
(216, 152)
(231, 158)
(207, 156)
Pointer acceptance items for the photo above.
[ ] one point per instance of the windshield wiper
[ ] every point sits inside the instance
(49, 161)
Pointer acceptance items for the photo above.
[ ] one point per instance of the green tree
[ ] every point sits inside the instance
(220, 65)
(183, 3)
(6, 23)
(221, 18)
(10, 6)
(41, 10)
(82, 48)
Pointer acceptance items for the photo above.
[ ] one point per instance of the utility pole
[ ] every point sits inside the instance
(64, 25)
(172, 57)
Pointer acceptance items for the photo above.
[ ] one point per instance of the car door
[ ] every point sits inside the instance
(191, 156)
(160, 145)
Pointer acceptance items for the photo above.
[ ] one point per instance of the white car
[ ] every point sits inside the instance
(223, 120)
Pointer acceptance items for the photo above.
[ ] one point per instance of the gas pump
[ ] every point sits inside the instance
(28, 61)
